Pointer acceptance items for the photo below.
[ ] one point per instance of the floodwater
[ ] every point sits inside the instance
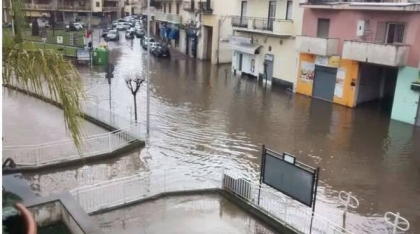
(205, 120)
(188, 214)
(29, 121)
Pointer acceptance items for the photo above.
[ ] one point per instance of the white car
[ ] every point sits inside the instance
(78, 26)
(153, 45)
(120, 26)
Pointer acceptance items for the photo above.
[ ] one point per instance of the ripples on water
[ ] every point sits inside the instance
(202, 120)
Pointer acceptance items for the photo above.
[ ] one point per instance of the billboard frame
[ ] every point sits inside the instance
(302, 166)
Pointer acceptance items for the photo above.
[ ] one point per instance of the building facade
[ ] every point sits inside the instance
(358, 52)
(194, 27)
(70, 10)
(263, 41)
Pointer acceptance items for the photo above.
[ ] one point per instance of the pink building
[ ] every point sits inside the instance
(357, 52)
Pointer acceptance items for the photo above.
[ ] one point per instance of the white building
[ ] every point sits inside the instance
(263, 43)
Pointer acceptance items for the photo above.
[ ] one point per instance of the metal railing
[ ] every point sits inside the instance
(265, 24)
(62, 151)
(114, 193)
(35, 6)
(240, 21)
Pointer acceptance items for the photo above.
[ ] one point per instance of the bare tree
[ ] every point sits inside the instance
(133, 83)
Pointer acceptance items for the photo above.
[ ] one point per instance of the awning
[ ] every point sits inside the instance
(246, 48)
(174, 34)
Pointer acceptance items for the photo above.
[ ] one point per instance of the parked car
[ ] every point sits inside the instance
(74, 27)
(7, 25)
(120, 26)
(112, 35)
(161, 51)
(146, 41)
(140, 33)
(154, 45)
(127, 26)
(105, 32)
(129, 35)
(114, 23)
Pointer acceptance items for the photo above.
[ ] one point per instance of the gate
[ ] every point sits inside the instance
(324, 83)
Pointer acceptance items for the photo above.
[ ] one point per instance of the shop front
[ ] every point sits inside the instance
(245, 57)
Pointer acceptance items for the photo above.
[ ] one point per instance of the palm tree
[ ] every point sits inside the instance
(37, 70)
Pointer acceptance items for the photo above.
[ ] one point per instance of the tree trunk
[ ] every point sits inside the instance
(135, 108)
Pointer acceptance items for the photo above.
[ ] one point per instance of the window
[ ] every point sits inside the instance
(98, 4)
(170, 7)
(395, 33)
(164, 8)
(289, 10)
(177, 8)
(390, 32)
(323, 29)
(271, 14)
(244, 20)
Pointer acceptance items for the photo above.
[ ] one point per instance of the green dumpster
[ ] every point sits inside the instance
(100, 56)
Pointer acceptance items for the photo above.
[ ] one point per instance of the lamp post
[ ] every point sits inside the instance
(148, 68)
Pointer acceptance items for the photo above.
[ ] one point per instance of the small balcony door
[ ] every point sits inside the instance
(244, 7)
(271, 14)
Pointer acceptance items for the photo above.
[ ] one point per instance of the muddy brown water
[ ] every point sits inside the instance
(203, 120)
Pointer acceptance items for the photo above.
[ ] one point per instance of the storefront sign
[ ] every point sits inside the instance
(269, 57)
(307, 71)
(339, 85)
(334, 61)
(321, 60)
(240, 40)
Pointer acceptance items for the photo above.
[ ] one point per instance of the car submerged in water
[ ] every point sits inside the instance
(161, 51)
(112, 35)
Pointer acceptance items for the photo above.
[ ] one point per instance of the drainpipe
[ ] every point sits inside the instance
(218, 40)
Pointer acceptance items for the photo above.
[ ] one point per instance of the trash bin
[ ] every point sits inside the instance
(100, 56)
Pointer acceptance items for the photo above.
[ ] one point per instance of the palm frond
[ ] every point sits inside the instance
(43, 72)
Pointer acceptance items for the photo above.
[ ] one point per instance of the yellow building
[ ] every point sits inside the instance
(263, 43)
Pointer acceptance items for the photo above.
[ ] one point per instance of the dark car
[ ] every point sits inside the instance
(140, 33)
(161, 51)
(7, 25)
(112, 35)
(129, 35)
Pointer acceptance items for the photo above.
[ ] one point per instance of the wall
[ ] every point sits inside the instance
(97, 9)
(343, 25)
(406, 100)
(350, 68)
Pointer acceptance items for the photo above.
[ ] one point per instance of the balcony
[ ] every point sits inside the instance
(384, 54)
(172, 18)
(30, 6)
(73, 8)
(111, 8)
(318, 46)
(206, 7)
(275, 27)
(189, 5)
(388, 5)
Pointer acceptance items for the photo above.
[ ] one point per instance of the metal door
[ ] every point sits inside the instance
(240, 62)
(324, 83)
(269, 66)
(418, 113)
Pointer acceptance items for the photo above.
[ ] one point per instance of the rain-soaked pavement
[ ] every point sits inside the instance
(203, 120)
(29, 121)
(190, 214)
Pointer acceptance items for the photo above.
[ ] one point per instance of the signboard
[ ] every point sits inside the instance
(83, 55)
(334, 61)
(59, 39)
(307, 71)
(321, 60)
(295, 179)
(240, 40)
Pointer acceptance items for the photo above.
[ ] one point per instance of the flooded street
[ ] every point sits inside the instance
(203, 120)
(193, 214)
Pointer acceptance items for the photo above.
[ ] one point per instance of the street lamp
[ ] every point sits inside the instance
(148, 67)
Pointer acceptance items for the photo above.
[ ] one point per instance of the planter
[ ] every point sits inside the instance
(415, 86)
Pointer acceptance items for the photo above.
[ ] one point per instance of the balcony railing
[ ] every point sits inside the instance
(34, 6)
(206, 7)
(318, 46)
(110, 8)
(240, 22)
(74, 8)
(379, 53)
(263, 25)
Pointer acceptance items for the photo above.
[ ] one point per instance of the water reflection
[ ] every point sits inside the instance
(202, 120)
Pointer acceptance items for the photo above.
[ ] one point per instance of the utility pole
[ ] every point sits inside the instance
(148, 67)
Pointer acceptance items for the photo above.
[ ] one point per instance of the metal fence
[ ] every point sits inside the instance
(114, 193)
(61, 151)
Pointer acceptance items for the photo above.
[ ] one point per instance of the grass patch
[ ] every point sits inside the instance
(64, 50)
(52, 36)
